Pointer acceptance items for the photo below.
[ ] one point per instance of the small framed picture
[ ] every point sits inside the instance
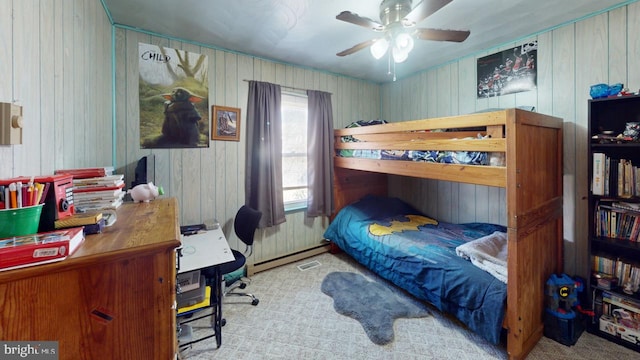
(226, 123)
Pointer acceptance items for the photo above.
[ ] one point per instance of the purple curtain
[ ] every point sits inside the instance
(263, 182)
(320, 154)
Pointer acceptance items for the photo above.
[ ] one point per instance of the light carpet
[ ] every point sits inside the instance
(295, 320)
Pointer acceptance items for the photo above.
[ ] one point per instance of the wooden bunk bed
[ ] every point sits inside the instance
(532, 177)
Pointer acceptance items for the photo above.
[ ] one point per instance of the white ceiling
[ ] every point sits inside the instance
(307, 33)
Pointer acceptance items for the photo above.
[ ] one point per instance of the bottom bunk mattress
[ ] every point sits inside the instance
(418, 254)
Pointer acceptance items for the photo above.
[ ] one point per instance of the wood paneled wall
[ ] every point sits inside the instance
(209, 183)
(600, 49)
(55, 61)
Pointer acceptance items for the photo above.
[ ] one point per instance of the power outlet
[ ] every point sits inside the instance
(10, 124)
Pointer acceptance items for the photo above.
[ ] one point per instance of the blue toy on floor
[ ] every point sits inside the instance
(564, 319)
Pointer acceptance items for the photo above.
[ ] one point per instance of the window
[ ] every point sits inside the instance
(294, 150)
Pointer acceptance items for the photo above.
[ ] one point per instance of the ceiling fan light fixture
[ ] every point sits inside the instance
(399, 55)
(379, 48)
(398, 21)
(404, 42)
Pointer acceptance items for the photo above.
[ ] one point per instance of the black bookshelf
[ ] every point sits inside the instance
(608, 118)
(615, 245)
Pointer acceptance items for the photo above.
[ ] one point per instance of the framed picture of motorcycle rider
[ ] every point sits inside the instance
(508, 72)
(226, 123)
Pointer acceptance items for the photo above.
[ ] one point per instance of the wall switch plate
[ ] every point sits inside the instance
(10, 124)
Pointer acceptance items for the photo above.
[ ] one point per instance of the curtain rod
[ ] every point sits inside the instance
(288, 87)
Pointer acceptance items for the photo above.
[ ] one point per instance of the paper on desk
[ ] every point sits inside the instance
(204, 249)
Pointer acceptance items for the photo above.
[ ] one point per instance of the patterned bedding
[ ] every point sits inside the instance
(418, 254)
(448, 157)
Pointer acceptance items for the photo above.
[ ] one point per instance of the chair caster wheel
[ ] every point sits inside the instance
(242, 286)
(223, 322)
(255, 302)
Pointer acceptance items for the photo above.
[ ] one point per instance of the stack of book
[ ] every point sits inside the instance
(623, 270)
(615, 177)
(100, 193)
(41, 248)
(96, 189)
(617, 219)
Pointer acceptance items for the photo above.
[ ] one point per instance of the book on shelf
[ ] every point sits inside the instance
(604, 264)
(617, 219)
(620, 191)
(626, 272)
(41, 248)
(613, 181)
(626, 206)
(88, 172)
(615, 177)
(626, 183)
(599, 160)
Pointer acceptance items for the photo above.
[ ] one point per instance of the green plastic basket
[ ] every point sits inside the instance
(21, 221)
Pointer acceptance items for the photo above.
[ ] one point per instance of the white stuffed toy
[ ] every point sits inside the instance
(145, 192)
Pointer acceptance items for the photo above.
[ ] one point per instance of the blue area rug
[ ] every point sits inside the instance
(375, 304)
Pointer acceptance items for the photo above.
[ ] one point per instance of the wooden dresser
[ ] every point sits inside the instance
(112, 299)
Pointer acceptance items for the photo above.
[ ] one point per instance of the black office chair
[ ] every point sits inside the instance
(244, 225)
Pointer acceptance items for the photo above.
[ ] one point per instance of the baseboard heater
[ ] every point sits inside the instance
(287, 259)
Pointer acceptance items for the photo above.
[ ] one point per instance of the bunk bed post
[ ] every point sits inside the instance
(559, 190)
(534, 205)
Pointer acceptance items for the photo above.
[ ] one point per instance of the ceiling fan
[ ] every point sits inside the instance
(397, 25)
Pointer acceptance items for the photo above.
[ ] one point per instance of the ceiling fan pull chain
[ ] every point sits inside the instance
(389, 66)
(394, 71)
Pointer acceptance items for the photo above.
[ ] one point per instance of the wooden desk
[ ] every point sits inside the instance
(203, 250)
(114, 298)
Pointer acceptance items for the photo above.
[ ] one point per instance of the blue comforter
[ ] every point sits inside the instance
(418, 254)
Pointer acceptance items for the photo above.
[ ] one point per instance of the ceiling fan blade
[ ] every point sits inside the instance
(353, 18)
(442, 35)
(424, 9)
(357, 47)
